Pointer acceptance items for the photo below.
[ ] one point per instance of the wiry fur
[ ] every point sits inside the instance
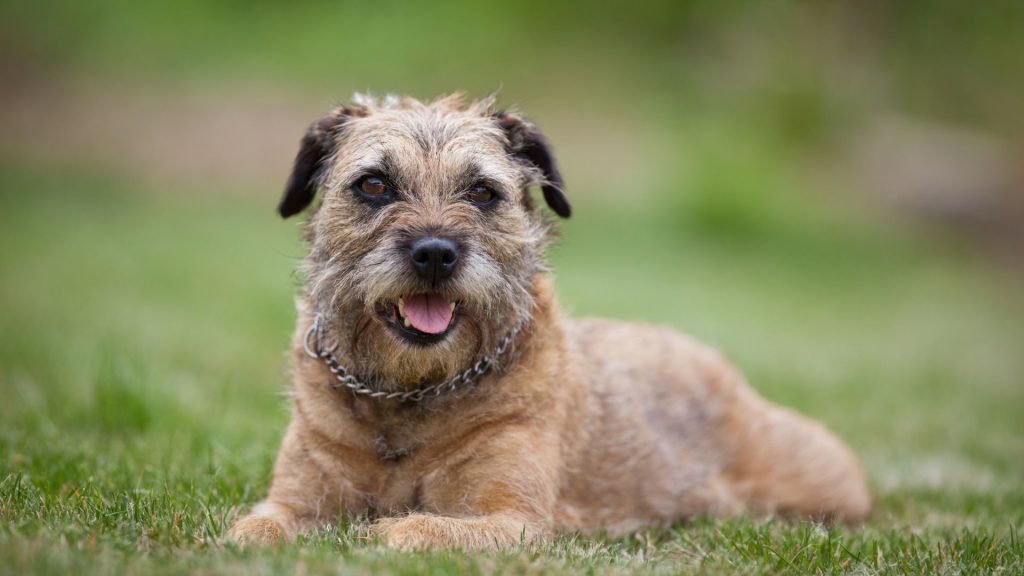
(357, 253)
(590, 424)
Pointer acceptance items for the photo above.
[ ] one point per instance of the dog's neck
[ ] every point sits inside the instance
(315, 345)
(320, 340)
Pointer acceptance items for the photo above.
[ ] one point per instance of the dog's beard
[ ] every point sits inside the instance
(355, 299)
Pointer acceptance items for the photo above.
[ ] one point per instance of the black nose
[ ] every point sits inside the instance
(434, 258)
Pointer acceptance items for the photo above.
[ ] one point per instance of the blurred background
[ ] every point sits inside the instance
(830, 192)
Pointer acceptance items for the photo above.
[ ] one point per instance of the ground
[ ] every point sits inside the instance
(730, 179)
(142, 370)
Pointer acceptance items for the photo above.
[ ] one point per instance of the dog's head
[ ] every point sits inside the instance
(426, 242)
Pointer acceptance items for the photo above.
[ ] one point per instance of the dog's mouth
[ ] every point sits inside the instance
(421, 318)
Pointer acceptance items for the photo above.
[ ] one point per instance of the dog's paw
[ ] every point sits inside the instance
(257, 531)
(415, 532)
(426, 531)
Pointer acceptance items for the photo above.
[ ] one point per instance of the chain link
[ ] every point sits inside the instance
(467, 377)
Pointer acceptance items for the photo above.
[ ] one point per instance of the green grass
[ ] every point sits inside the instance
(142, 364)
(143, 329)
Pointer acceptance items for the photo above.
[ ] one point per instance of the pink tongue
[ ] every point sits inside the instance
(428, 313)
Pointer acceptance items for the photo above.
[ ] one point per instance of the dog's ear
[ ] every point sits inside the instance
(526, 142)
(317, 145)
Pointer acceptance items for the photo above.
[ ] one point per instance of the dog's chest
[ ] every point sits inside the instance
(395, 434)
(392, 451)
(412, 453)
(404, 478)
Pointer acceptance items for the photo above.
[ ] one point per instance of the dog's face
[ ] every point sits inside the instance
(426, 242)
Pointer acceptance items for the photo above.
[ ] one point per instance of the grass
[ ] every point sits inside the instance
(143, 328)
(142, 364)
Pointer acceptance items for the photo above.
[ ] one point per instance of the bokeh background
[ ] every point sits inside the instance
(830, 192)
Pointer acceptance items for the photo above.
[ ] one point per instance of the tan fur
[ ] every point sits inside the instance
(591, 425)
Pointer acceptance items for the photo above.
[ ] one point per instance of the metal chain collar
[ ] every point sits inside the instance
(467, 377)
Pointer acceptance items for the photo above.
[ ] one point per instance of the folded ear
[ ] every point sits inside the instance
(317, 145)
(526, 142)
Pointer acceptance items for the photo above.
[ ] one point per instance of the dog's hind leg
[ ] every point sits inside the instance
(784, 463)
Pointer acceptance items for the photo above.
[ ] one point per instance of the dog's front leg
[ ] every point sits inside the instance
(268, 524)
(495, 494)
(300, 498)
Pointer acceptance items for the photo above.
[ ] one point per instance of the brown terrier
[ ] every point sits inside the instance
(439, 388)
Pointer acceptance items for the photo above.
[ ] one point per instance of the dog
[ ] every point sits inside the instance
(439, 391)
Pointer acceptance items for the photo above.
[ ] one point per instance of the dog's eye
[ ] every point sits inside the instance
(374, 189)
(372, 186)
(481, 195)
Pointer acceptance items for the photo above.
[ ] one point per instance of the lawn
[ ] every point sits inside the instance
(143, 331)
(146, 285)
